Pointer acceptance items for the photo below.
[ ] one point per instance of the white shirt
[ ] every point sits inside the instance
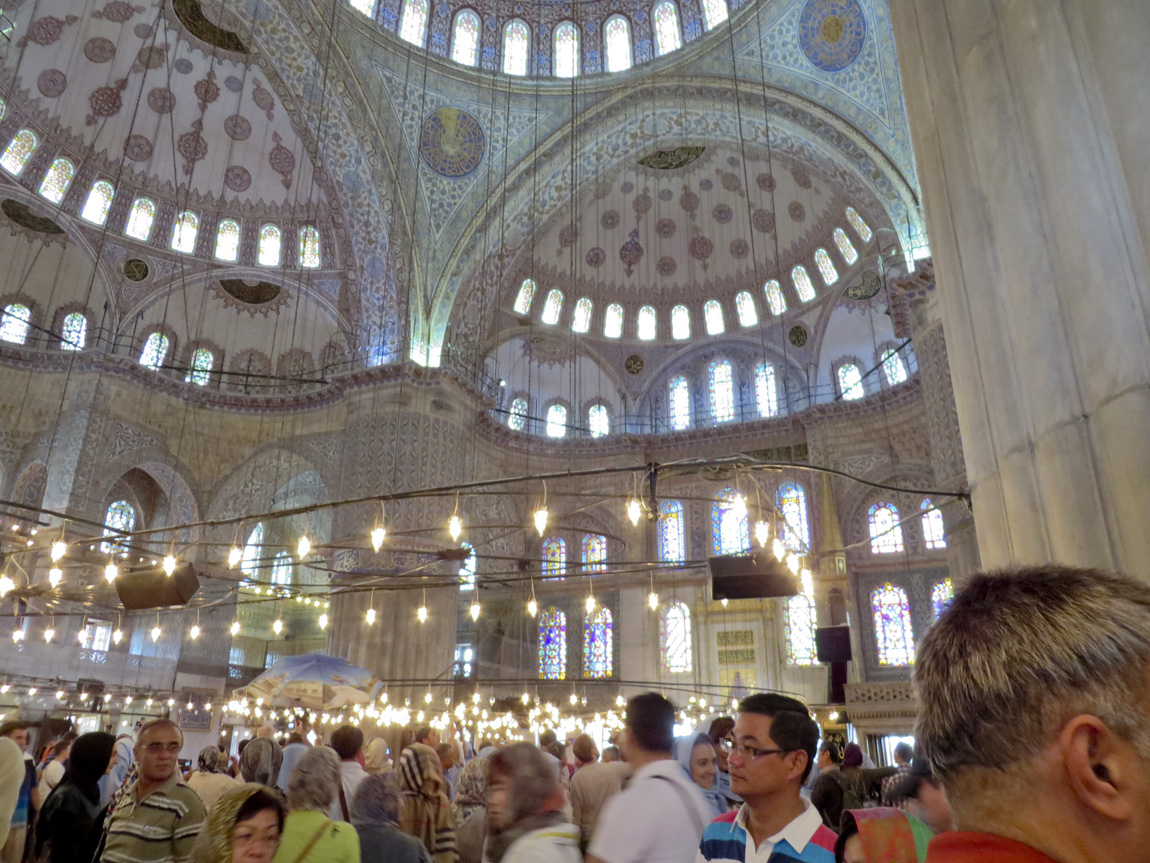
(351, 773)
(50, 778)
(798, 832)
(658, 817)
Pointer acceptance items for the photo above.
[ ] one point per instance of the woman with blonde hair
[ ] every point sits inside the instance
(426, 812)
(309, 835)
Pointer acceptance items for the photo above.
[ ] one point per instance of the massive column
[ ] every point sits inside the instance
(1028, 120)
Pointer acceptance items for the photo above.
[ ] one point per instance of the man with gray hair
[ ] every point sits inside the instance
(1034, 693)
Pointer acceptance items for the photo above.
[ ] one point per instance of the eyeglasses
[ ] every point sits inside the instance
(157, 747)
(753, 752)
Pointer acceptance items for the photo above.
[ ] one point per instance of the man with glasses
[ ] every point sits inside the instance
(158, 815)
(774, 746)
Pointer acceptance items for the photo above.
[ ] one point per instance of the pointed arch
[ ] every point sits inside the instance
(598, 627)
(465, 38)
(885, 530)
(672, 534)
(799, 625)
(516, 47)
(413, 21)
(730, 531)
(140, 219)
(894, 634)
(57, 180)
(617, 44)
(565, 45)
(668, 31)
(675, 638)
(553, 645)
(794, 529)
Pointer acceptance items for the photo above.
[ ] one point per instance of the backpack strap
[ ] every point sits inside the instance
(700, 823)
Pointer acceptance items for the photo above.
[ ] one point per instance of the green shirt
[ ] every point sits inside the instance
(161, 828)
(338, 844)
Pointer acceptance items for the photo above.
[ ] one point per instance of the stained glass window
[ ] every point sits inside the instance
(269, 247)
(119, 517)
(850, 381)
(557, 421)
(552, 306)
(14, 323)
(893, 367)
(826, 267)
(56, 182)
(861, 227)
(524, 297)
(668, 33)
(775, 299)
(794, 528)
(933, 527)
(647, 323)
(597, 631)
(553, 645)
(675, 637)
(892, 628)
(721, 381)
(613, 321)
(554, 558)
(672, 532)
(18, 151)
(846, 247)
(465, 38)
(594, 553)
(253, 549)
(155, 350)
(885, 530)
(581, 320)
(517, 416)
(713, 317)
(201, 370)
(766, 394)
(98, 202)
(730, 533)
(309, 247)
(74, 332)
(464, 659)
(799, 624)
(367, 7)
(413, 21)
(516, 46)
(941, 596)
(599, 420)
(228, 240)
(745, 307)
(140, 219)
(680, 323)
(804, 287)
(467, 569)
(617, 43)
(679, 402)
(184, 232)
(282, 569)
(566, 50)
(714, 13)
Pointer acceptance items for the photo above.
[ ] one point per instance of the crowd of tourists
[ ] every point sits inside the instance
(1032, 738)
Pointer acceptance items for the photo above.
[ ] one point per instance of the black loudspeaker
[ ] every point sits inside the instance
(750, 576)
(150, 587)
(836, 683)
(833, 643)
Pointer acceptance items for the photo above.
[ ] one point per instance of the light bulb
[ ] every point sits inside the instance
(526, 699)
(278, 626)
(590, 604)
(107, 697)
(54, 576)
(117, 636)
(427, 698)
(739, 506)
(793, 563)
(541, 519)
(49, 634)
(634, 510)
(111, 571)
(653, 600)
(156, 633)
(574, 698)
(171, 702)
(834, 715)
(323, 621)
(234, 557)
(762, 533)
(59, 694)
(17, 636)
(127, 700)
(148, 703)
(235, 627)
(778, 549)
(723, 602)
(82, 637)
(474, 611)
(194, 632)
(532, 607)
(304, 547)
(169, 564)
(421, 613)
(455, 527)
(370, 616)
(6, 584)
(59, 549)
(4, 689)
(377, 537)
(32, 691)
(619, 701)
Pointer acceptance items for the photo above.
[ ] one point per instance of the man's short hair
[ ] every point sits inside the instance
(13, 725)
(651, 718)
(611, 753)
(584, 748)
(546, 738)
(1019, 653)
(347, 740)
(792, 727)
(160, 722)
(833, 752)
(904, 752)
(422, 733)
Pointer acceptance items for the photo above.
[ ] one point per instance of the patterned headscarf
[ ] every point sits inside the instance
(216, 839)
(471, 791)
(426, 811)
(211, 760)
(261, 761)
(888, 835)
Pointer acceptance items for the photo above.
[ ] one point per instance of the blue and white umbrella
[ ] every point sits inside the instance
(315, 681)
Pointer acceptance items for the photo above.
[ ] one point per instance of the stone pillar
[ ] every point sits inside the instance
(1028, 126)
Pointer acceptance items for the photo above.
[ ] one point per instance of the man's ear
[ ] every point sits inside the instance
(1100, 765)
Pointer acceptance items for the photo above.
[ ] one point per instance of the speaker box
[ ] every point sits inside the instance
(833, 643)
(149, 587)
(750, 576)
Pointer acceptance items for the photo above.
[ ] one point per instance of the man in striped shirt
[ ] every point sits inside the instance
(158, 816)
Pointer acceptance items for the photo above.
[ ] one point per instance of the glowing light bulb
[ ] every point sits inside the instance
(107, 697)
(194, 632)
(619, 701)
(474, 611)
(117, 636)
(17, 636)
(574, 698)
(455, 527)
(55, 574)
(4, 689)
(427, 698)
(111, 571)
(49, 634)
(653, 600)
(171, 702)
(377, 536)
(778, 549)
(532, 607)
(59, 549)
(169, 564)
(762, 533)
(739, 506)
(526, 699)
(590, 604)
(304, 547)
(421, 613)
(60, 694)
(793, 563)
(634, 510)
(127, 699)
(723, 602)
(234, 557)
(541, 519)
(156, 633)
(148, 703)
(82, 637)
(32, 691)
(235, 627)
(323, 621)
(370, 616)
(278, 626)
(834, 716)
(475, 698)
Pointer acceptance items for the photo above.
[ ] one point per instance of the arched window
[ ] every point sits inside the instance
(647, 323)
(228, 240)
(804, 287)
(730, 533)
(672, 534)
(18, 151)
(517, 416)
(201, 369)
(155, 351)
(885, 530)
(553, 645)
(253, 551)
(599, 420)
(679, 403)
(581, 320)
(309, 257)
(714, 13)
(74, 332)
(745, 307)
(367, 7)
(713, 317)
(846, 247)
(98, 202)
(933, 526)
(184, 232)
(552, 306)
(594, 553)
(680, 322)
(554, 558)
(557, 421)
(465, 38)
(413, 21)
(721, 383)
(617, 43)
(775, 299)
(850, 382)
(794, 529)
(613, 321)
(14, 323)
(826, 267)
(941, 596)
(668, 33)
(282, 569)
(566, 43)
(799, 624)
(56, 182)
(675, 637)
(893, 632)
(516, 47)
(524, 297)
(119, 518)
(597, 632)
(467, 569)
(140, 219)
(893, 367)
(268, 254)
(766, 394)
(861, 227)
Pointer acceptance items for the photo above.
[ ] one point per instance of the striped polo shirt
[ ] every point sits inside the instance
(161, 828)
(805, 839)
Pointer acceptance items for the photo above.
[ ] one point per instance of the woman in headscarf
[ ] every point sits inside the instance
(525, 800)
(375, 760)
(309, 836)
(244, 827)
(261, 762)
(426, 811)
(210, 778)
(698, 756)
(470, 810)
(374, 814)
(881, 835)
(865, 782)
(66, 828)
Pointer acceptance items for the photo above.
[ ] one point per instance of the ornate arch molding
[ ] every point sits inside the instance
(255, 483)
(173, 477)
